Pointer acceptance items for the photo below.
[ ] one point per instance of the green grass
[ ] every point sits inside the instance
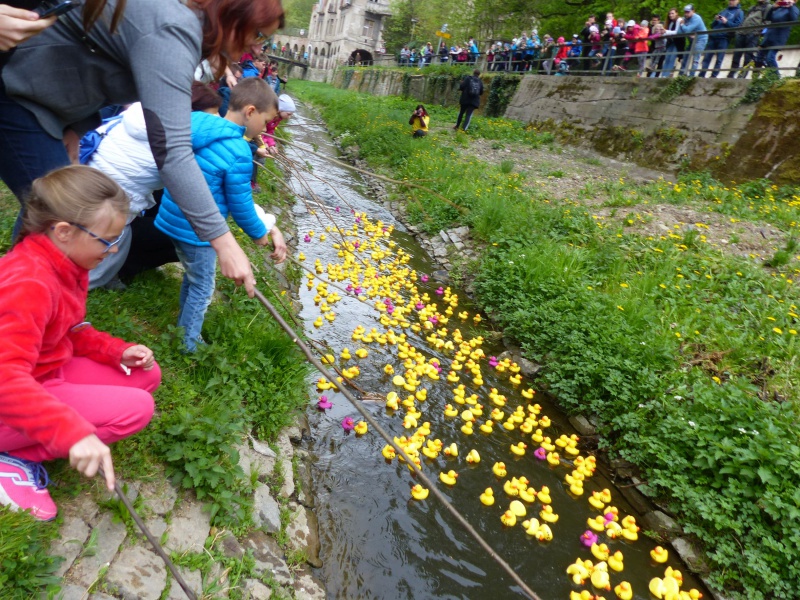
(687, 355)
(250, 379)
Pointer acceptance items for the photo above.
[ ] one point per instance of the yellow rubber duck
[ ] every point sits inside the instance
(544, 534)
(518, 508)
(497, 414)
(360, 428)
(597, 523)
(451, 450)
(499, 469)
(615, 561)
(572, 449)
(515, 379)
(561, 441)
(630, 533)
(448, 478)
(547, 514)
(430, 452)
(553, 459)
(544, 421)
(528, 394)
(452, 377)
(531, 527)
(628, 521)
(547, 445)
(596, 501)
(511, 487)
(605, 494)
(392, 401)
(509, 425)
(318, 322)
(613, 530)
(487, 497)
(576, 489)
(508, 519)
(659, 554)
(600, 551)
(537, 436)
(487, 426)
(580, 571)
(388, 369)
(600, 578)
(624, 591)
(473, 457)
(449, 411)
(526, 427)
(518, 449)
(419, 493)
(388, 452)
(543, 495)
(527, 494)
(467, 429)
(583, 594)
(675, 574)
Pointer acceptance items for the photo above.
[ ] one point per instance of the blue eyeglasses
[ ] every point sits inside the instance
(108, 245)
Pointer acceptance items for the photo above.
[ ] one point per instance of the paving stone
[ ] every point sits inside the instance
(287, 488)
(688, 555)
(137, 574)
(244, 459)
(192, 578)
(266, 510)
(231, 547)
(159, 496)
(662, 523)
(83, 507)
(255, 590)
(268, 557)
(101, 596)
(189, 528)
(306, 586)
(107, 539)
(302, 534)
(444, 236)
(157, 527)
(73, 592)
(461, 232)
(71, 537)
(582, 425)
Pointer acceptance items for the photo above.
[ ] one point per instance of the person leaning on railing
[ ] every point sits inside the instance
(784, 11)
(730, 17)
(745, 41)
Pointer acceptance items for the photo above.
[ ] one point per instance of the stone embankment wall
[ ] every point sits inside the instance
(657, 123)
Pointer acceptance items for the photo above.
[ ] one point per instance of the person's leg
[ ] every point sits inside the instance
(199, 263)
(669, 62)
(469, 117)
(722, 45)
(771, 60)
(150, 247)
(460, 116)
(26, 150)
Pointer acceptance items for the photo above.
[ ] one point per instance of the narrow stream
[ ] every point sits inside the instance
(378, 542)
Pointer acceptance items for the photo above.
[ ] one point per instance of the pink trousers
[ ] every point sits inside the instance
(118, 405)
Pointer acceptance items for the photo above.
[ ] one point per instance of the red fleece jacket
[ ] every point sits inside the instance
(42, 311)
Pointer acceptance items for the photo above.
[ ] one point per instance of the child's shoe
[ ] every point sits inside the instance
(23, 486)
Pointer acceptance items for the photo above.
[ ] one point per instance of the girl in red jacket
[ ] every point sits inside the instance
(66, 389)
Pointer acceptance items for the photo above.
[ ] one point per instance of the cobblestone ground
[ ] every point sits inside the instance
(104, 558)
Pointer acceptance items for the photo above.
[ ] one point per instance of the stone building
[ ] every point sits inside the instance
(346, 31)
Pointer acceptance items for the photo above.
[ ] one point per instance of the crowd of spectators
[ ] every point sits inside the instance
(652, 47)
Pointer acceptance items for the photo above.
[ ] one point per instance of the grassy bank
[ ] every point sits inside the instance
(249, 379)
(685, 352)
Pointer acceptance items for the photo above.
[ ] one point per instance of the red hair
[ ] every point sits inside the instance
(235, 21)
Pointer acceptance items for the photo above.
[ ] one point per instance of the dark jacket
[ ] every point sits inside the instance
(471, 89)
(734, 16)
(755, 16)
(779, 14)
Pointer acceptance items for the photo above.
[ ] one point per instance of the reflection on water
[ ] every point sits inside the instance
(376, 541)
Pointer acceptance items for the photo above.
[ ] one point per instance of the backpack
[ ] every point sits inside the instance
(474, 86)
(90, 142)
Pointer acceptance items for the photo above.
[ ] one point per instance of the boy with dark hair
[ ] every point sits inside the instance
(226, 161)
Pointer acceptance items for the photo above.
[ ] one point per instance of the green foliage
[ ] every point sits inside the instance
(501, 90)
(760, 85)
(25, 565)
(677, 86)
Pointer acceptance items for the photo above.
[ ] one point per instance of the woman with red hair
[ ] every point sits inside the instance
(53, 85)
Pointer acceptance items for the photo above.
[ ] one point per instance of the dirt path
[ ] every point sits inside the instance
(571, 174)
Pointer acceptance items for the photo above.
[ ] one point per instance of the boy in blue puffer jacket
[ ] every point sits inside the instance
(226, 161)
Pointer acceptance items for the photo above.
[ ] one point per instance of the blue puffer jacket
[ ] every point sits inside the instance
(226, 161)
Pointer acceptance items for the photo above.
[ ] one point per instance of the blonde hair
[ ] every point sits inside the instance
(75, 194)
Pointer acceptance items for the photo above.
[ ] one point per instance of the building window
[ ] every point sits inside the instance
(369, 28)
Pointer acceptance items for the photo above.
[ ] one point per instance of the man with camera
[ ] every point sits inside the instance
(731, 16)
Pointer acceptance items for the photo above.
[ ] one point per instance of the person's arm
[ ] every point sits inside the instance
(163, 66)
(239, 197)
(17, 25)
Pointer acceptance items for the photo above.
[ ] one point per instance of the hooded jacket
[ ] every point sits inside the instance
(225, 159)
(778, 36)
(42, 325)
(734, 16)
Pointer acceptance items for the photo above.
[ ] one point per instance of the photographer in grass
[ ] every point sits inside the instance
(419, 121)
